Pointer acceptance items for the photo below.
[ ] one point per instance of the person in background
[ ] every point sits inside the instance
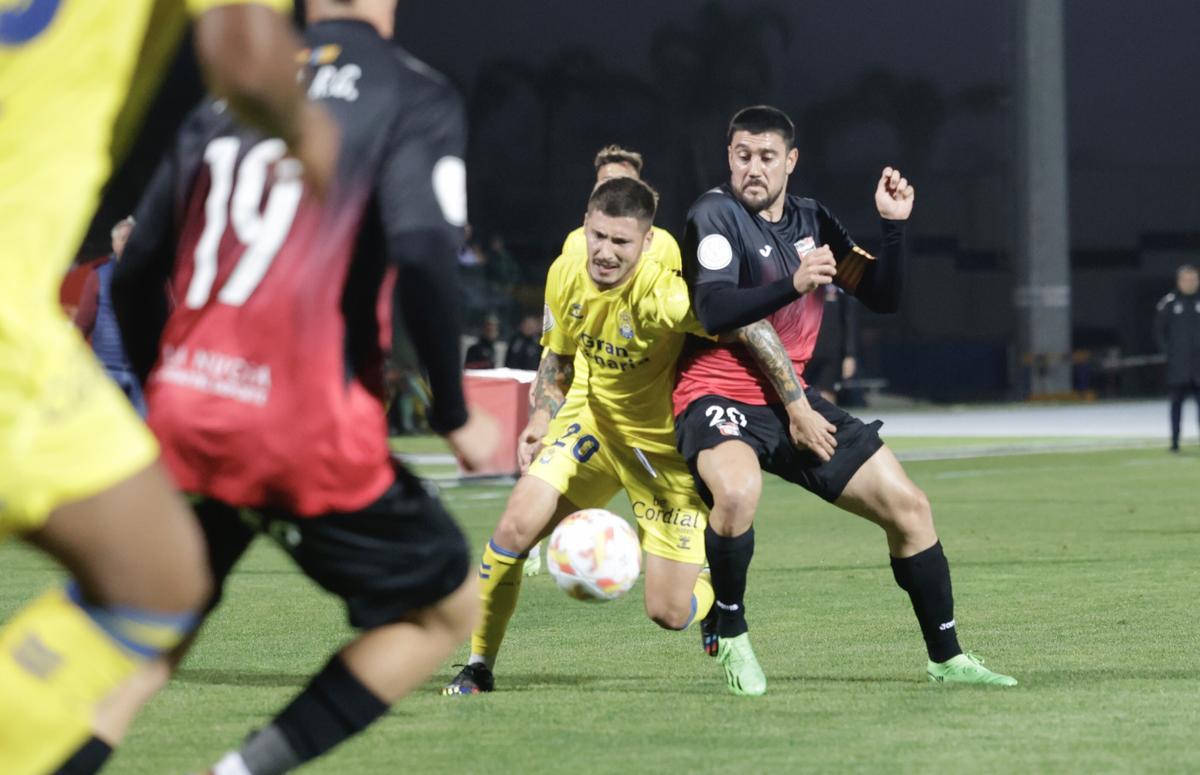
(503, 275)
(96, 319)
(473, 280)
(1177, 331)
(525, 347)
(482, 354)
(833, 360)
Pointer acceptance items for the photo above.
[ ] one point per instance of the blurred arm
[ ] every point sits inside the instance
(427, 297)
(1162, 323)
(247, 52)
(85, 313)
(139, 289)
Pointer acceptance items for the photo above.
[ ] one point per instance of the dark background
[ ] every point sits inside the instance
(924, 86)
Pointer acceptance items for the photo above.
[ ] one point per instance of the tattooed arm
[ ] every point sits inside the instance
(808, 428)
(554, 376)
(548, 394)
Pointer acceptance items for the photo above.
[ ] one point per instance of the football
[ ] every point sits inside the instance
(594, 555)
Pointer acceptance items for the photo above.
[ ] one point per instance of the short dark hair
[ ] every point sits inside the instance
(1185, 268)
(615, 154)
(625, 198)
(759, 119)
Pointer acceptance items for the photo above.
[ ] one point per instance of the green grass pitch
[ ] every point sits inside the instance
(1077, 572)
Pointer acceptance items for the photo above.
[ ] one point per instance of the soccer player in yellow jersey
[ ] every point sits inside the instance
(602, 422)
(613, 161)
(79, 476)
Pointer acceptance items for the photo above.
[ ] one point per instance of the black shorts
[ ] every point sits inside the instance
(823, 373)
(400, 553)
(713, 420)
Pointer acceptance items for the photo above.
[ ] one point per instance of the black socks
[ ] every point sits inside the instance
(90, 757)
(729, 559)
(333, 707)
(926, 578)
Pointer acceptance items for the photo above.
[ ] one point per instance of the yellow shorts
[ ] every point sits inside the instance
(68, 431)
(589, 469)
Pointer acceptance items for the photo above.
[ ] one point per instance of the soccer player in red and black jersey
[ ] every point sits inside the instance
(753, 256)
(264, 383)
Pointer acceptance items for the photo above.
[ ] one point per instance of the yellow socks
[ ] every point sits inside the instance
(500, 574)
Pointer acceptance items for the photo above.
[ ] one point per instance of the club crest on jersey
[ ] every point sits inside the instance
(729, 429)
(626, 321)
(805, 245)
(576, 311)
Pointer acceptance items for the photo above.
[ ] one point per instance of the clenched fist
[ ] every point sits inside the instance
(894, 196)
(817, 268)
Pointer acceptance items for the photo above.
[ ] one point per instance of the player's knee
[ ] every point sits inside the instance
(193, 588)
(515, 532)
(457, 614)
(738, 497)
(669, 615)
(910, 511)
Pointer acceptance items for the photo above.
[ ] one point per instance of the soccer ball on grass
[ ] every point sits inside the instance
(594, 555)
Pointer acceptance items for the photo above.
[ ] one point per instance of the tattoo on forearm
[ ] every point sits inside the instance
(554, 377)
(767, 349)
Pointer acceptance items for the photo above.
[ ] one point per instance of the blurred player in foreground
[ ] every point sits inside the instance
(265, 382)
(601, 405)
(742, 409)
(78, 471)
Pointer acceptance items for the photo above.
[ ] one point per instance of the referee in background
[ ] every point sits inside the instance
(1177, 331)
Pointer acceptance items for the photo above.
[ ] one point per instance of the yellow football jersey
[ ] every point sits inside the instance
(68, 70)
(625, 341)
(663, 247)
(75, 77)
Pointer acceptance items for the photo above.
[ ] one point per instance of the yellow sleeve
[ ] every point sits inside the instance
(669, 307)
(575, 243)
(665, 250)
(554, 337)
(197, 7)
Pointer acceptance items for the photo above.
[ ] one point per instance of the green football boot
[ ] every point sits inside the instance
(966, 668)
(533, 563)
(743, 674)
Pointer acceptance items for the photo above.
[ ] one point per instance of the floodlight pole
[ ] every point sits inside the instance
(1043, 288)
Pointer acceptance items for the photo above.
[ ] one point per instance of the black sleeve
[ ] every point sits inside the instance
(849, 326)
(422, 198)
(724, 307)
(1162, 322)
(875, 281)
(881, 283)
(139, 289)
(426, 296)
(712, 259)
